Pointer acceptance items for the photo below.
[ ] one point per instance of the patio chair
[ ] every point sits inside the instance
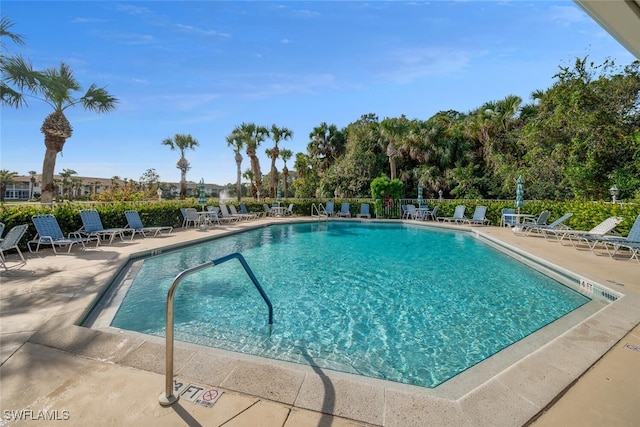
(431, 215)
(267, 210)
(364, 211)
(1, 230)
(411, 212)
(344, 210)
(289, 210)
(214, 214)
(92, 227)
(458, 215)
(507, 217)
(48, 232)
(191, 217)
(134, 223)
(604, 228)
(11, 241)
(558, 224)
(479, 217)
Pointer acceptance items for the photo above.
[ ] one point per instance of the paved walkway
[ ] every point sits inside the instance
(54, 370)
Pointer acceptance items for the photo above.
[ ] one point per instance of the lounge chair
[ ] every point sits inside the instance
(558, 224)
(226, 215)
(329, 209)
(458, 215)
(604, 228)
(214, 214)
(244, 210)
(48, 232)
(364, 211)
(538, 222)
(11, 241)
(615, 242)
(234, 213)
(344, 210)
(92, 227)
(479, 217)
(1, 230)
(134, 223)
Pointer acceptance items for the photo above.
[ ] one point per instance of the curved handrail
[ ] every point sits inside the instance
(167, 397)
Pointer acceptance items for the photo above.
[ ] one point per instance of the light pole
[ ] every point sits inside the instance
(614, 193)
(440, 195)
(159, 193)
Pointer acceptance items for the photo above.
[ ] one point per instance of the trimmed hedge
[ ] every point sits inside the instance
(586, 214)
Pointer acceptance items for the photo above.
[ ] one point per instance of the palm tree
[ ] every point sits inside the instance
(235, 140)
(393, 131)
(6, 177)
(66, 175)
(286, 154)
(248, 174)
(32, 183)
(277, 134)
(56, 87)
(8, 95)
(253, 136)
(182, 142)
(327, 144)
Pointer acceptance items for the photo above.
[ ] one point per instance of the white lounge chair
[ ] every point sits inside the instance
(479, 217)
(458, 215)
(604, 228)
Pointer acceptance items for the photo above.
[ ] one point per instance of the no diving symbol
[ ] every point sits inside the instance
(209, 395)
(633, 347)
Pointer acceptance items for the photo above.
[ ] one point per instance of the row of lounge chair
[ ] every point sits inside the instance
(602, 236)
(228, 214)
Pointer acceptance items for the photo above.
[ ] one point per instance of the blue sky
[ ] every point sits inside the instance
(204, 67)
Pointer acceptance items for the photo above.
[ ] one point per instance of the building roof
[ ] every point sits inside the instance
(621, 19)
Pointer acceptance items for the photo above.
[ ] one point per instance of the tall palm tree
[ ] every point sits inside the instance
(55, 86)
(182, 142)
(235, 140)
(6, 177)
(252, 136)
(277, 134)
(286, 154)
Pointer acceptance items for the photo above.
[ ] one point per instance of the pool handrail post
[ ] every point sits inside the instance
(167, 398)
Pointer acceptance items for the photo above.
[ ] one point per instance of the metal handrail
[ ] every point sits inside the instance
(319, 213)
(167, 397)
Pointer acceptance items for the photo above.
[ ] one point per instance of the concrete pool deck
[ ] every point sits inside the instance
(588, 375)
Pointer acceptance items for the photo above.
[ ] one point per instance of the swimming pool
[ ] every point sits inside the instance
(390, 301)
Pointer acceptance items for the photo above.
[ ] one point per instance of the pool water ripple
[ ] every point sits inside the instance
(391, 301)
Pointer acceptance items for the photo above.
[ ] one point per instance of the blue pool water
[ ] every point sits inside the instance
(390, 301)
